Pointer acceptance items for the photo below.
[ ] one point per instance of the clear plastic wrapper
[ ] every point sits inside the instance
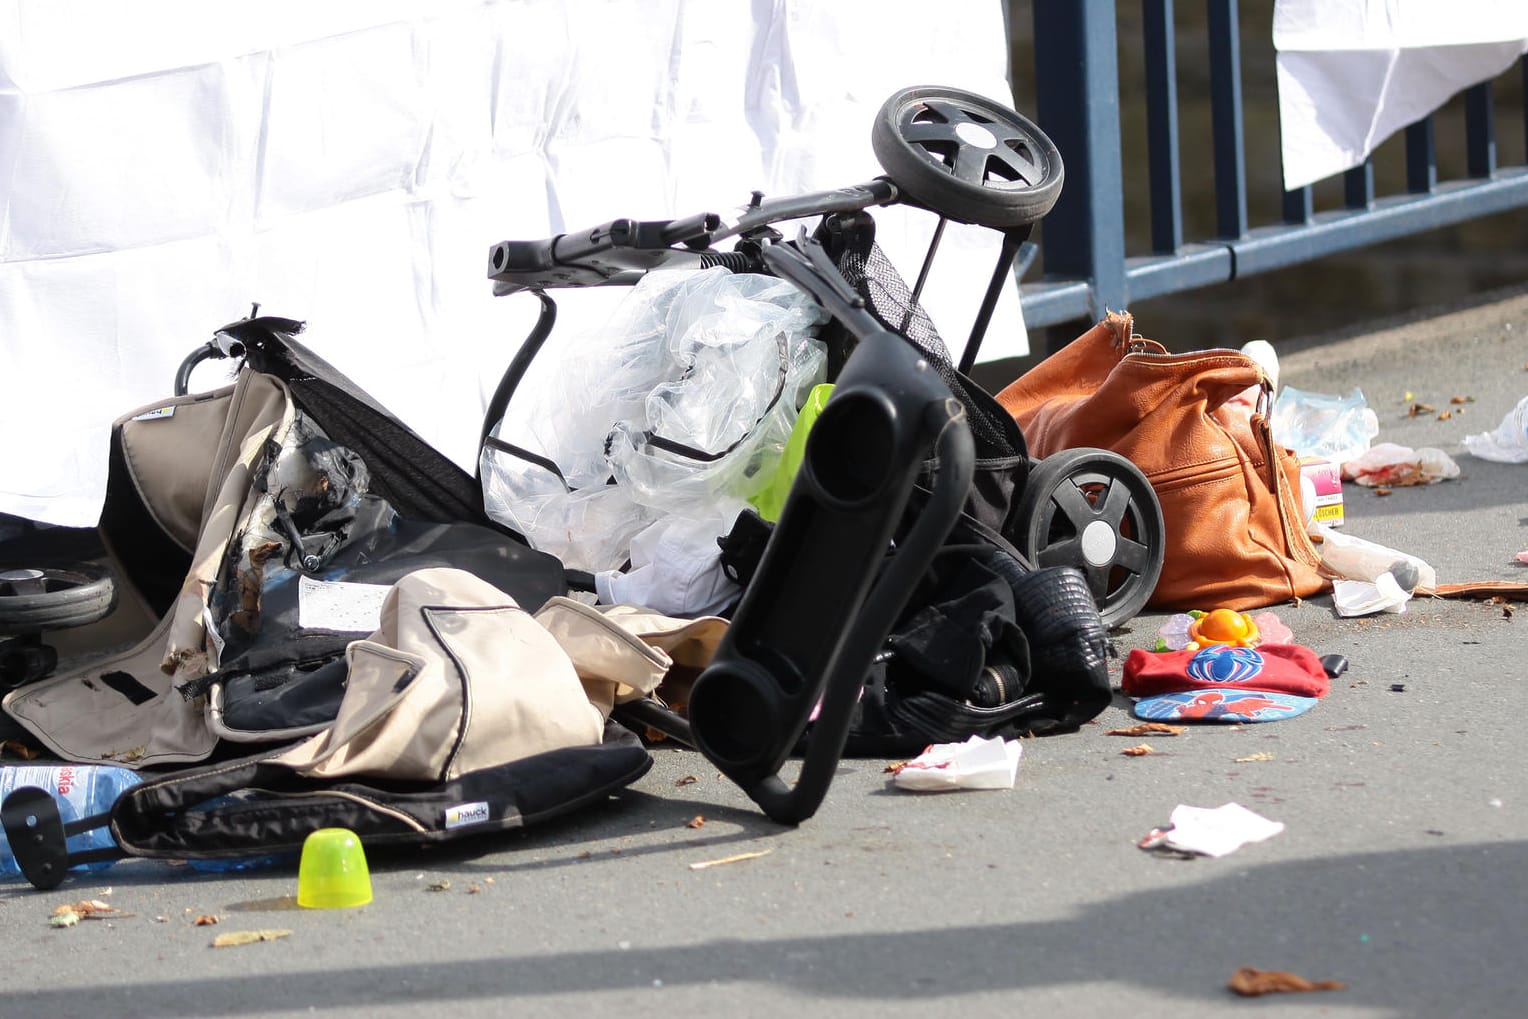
(1333, 427)
(680, 406)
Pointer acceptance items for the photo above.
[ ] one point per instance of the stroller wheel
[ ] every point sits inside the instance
(35, 599)
(967, 157)
(1094, 510)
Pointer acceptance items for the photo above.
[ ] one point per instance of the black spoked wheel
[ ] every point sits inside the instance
(967, 157)
(1094, 510)
(36, 599)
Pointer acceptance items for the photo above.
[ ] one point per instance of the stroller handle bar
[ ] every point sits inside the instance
(623, 250)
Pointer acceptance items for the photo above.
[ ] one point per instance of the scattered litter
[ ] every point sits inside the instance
(1387, 463)
(1365, 598)
(1211, 832)
(1140, 750)
(1148, 729)
(1522, 556)
(1509, 443)
(1397, 687)
(978, 763)
(1250, 982)
(1250, 758)
(85, 909)
(687, 780)
(740, 857)
(443, 885)
(696, 822)
(235, 938)
(205, 920)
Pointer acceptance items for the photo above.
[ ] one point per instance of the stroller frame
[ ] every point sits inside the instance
(821, 603)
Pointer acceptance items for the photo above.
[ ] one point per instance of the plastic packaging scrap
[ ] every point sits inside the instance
(1208, 832)
(978, 763)
(1387, 465)
(1371, 577)
(684, 401)
(1509, 443)
(1355, 558)
(1333, 427)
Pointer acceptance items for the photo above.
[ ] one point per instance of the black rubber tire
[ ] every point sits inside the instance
(38, 599)
(1094, 510)
(1011, 182)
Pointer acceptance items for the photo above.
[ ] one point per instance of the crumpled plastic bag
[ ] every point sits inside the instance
(684, 400)
(1509, 443)
(1387, 464)
(1333, 427)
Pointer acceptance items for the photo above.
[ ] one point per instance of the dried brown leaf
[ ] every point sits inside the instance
(1445, 415)
(1461, 399)
(235, 938)
(205, 920)
(1250, 982)
(1419, 408)
(1139, 750)
(1148, 729)
(696, 822)
(687, 780)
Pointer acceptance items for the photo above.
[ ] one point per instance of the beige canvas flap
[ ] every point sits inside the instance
(623, 652)
(125, 708)
(493, 686)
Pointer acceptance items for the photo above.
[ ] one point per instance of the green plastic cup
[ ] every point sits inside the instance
(333, 872)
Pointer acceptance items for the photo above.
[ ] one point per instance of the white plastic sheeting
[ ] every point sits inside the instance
(165, 164)
(1352, 73)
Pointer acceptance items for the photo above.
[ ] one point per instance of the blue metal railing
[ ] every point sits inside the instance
(1085, 266)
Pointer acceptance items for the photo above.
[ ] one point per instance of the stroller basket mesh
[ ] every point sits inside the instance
(867, 269)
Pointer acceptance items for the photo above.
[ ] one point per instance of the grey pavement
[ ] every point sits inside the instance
(1402, 870)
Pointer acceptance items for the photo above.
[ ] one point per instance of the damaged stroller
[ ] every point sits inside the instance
(907, 453)
(922, 581)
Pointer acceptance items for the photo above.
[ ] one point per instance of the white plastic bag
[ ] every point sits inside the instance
(1389, 464)
(678, 407)
(1509, 443)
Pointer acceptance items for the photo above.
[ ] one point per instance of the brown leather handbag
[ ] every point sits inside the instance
(1235, 534)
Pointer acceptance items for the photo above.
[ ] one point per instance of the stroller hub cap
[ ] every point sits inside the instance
(1098, 543)
(975, 134)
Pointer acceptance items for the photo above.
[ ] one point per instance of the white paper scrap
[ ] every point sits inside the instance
(339, 605)
(1219, 831)
(978, 763)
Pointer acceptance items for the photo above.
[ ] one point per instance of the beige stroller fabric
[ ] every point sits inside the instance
(190, 459)
(459, 678)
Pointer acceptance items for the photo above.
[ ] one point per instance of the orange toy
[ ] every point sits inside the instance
(1223, 626)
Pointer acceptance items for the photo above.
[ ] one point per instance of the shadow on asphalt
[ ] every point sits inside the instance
(1417, 932)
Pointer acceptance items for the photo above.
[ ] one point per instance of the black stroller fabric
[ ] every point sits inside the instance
(253, 807)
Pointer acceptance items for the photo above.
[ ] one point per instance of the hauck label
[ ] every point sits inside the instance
(464, 814)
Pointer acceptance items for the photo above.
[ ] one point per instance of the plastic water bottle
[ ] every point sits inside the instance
(80, 790)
